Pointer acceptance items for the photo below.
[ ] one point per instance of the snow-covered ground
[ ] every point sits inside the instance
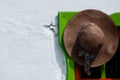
(28, 50)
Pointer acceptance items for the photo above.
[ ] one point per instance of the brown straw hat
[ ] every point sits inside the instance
(93, 32)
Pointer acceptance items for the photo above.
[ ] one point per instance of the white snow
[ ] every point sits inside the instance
(28, 51)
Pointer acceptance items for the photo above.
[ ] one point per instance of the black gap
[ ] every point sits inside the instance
(113, 66)
(95, 73)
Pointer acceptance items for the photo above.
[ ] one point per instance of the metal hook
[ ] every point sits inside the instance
(51, 27)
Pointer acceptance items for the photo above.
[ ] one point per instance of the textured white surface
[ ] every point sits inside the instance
(28, 51)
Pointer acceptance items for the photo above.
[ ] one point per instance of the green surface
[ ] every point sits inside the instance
(103, 71)
(116, 18)
(63, 18)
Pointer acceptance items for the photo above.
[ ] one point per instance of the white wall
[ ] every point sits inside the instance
(28, 51)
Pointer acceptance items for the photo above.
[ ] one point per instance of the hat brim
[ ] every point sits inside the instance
(104, 22)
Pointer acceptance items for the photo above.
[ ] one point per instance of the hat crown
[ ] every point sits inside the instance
(91, 37)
